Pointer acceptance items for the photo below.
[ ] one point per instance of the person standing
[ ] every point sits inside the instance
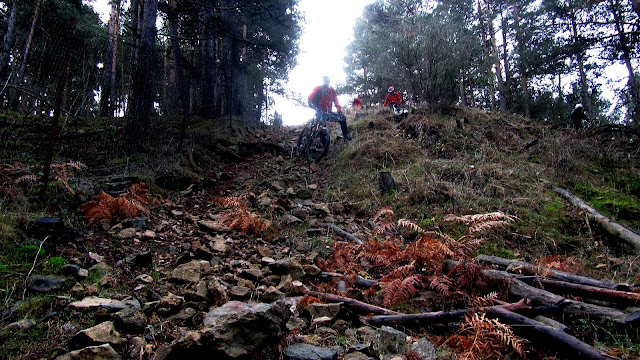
(393, 99)
(577, 116)
(322, 99)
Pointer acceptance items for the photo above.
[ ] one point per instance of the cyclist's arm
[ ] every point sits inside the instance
(335, 100)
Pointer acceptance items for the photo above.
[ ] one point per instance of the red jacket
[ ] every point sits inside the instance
(324, 97)
(393, 99)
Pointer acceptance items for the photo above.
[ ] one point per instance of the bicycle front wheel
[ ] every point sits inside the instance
(318, 145)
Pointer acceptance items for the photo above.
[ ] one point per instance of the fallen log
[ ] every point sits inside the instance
(436, 317)
(537, 296)
(611, 227)
(592, 292)
(343, 233)
(359, 280)
(529, 269)
(546, 336)
(354, 304)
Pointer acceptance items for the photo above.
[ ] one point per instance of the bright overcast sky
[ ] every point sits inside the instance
(326, 32)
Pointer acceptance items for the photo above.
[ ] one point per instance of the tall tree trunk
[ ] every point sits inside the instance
(522, 66)
(141, 103)
(27, 48)
(505, 59)
(108, 93)
(179, 72)
(485, 50)
(634, 107)
(207, 91)
(6, 44)
(59, 101)
(231, 56)
(496, 57)
(584, 87)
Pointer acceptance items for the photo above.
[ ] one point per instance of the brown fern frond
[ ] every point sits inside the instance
(476, 218)
(102, 207)
(484, 227)
(490, 336)
(125, 209)
(442, 285)
(427, 251)
(400, 273)
(28, 179)
(232, 201)
(384, 212)
(411, 225)
(402, 290)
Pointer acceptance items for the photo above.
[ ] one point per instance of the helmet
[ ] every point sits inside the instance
(325, 80)
(578, 106)
(391, 89)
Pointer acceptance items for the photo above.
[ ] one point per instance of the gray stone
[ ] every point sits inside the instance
(251, 274)
(302, 351)
(93, 302)
(142, 259)
(130, 321)
(171, 301)
(74, 270)
(389, 341)
(304, 194)
(239, 292)
(103, 333)
(272, 294)
(356, 355)
(321, 209)
(216, 292)
(44, 284)
(183, 318)
(288, 266)
(236, 330)
(425, 349)
(127, 233)
(101, 352)
(317, 310)
(20, 325)
(213, 226)
(189, 272)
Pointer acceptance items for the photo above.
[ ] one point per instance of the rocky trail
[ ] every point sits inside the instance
(181, 282)
(259, 258)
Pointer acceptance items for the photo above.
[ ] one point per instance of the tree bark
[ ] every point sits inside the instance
(561, 287)
(108, 93)
(208, 62)
(496, 57)
(27, 48)
(529, 269)
(436, 317)
(545, 335)
(142, 94)
(352, 303)
(584, 87)
(343, 233)
(179, 71)
(6, 44)
(611, 227)
(626, 56)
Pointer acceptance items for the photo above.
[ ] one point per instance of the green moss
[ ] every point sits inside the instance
(495, 249)
(55, 263)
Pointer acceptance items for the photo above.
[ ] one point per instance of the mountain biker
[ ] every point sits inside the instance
(577, 115)
(393, 99)
(357, 103)
(322, 99)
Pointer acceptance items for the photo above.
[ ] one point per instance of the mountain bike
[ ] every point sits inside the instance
(314, 140)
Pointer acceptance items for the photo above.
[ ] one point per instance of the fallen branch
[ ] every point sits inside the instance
(352, 303)
(545, 335)
(592, 292)
(436, 317)
(529, 269)
(611, 227)
(343, 233)
(537, 296)
(359, 280)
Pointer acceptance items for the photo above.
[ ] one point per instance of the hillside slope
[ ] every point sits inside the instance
(238, 216)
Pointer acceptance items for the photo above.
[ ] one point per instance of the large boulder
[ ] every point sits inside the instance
(235, 330)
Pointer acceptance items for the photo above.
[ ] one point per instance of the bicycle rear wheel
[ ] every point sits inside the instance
(318, 145)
